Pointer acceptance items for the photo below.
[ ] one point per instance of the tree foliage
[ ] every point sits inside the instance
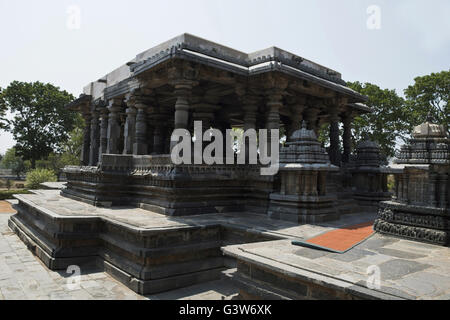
(14, 162)
(3, 109)
(38, 176)
(428, 99)
(387, 123)
(40, 124)
(70, 155)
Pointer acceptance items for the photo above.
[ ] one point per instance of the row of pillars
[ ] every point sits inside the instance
(104, 133)
(310, 115)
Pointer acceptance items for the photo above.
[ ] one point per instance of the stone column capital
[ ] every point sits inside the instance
(181, 85)
(115, 105)
(334, 114)
(275, 95)
(131, 111)
(87, 115)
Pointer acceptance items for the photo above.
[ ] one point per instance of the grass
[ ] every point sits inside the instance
(8, 194)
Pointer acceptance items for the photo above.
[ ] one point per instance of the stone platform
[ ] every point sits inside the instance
(280, 270)
(152, 253)
(23, 277)
(147, 251)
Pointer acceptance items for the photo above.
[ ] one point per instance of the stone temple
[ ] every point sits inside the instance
(157, 226)
(420, 209)
(131, 113)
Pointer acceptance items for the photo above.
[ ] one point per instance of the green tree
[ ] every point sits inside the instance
(386, 123)
(70, 155)
(428, 98)
(41, 123)
(73, 146)
(14, 162)
(3, 109)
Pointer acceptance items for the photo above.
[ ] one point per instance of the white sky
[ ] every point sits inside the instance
(36, 43)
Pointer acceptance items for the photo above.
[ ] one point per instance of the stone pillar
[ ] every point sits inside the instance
(334, 137)
(130, 127)
(103, 132)
(347, 138)
(167, 136)
(95, 139)
(443, 192)
(114, 108)
(322, 183)
(158, 146)
(399, 178)
(86, 139)
(250, 112)
(223, 125)
(140, 146)
(311, 118)
(297, 119)
(182, 92)
(432, 183)
(405, 190)
(273, 116)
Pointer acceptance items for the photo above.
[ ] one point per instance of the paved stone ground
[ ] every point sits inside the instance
(407, 269)
(24, 277)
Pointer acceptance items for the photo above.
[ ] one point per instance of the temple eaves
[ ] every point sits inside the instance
(192, 48)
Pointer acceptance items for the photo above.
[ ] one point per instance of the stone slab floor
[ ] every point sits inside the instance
(407, 269)
(24, 277)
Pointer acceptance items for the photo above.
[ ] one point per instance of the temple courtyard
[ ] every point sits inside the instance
(408, 269)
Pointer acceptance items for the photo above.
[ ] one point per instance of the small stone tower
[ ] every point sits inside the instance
(369, 176)
(302, 197)
(421, 206)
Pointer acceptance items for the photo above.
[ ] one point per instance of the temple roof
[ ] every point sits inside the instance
(429, 130)
(430, 144)
(304, 152)
(192, 48)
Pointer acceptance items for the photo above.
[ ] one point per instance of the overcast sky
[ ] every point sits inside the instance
(41, 40)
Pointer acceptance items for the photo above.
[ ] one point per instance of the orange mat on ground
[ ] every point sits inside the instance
(340, 240)
(5, 207)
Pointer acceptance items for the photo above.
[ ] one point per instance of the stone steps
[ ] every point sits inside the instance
(146, 260)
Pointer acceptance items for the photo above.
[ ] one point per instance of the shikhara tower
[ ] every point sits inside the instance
(421, 206)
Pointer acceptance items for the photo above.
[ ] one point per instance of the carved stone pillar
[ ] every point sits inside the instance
(86, 139)
(114, 108)
(250, 112)
(334, 137)
(296, 120)
(95, 139)
(311, 118)
(158, 135)
(182, 92)
(443, 191)
(140, 146)
(273, 116)
(167, 136)
(433, 182)
(130, 126)
(347, 138)
(103, 132)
